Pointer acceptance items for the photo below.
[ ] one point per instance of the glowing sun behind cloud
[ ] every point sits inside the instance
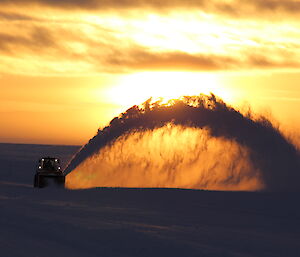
(136, 88)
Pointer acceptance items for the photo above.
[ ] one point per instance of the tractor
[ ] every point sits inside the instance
(49, 173)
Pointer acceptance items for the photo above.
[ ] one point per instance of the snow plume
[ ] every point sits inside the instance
(192, 142)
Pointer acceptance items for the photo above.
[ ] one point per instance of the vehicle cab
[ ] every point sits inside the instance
(49, 165)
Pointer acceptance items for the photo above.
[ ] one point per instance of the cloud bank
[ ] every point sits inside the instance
(235, 7)
(130, 36)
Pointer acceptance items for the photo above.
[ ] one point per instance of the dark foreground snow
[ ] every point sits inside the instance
(137, 222)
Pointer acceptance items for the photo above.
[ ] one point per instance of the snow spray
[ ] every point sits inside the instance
(195, 142)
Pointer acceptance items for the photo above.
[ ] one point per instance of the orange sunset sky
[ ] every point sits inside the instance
(68, 67)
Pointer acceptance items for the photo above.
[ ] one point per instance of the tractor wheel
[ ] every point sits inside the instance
(36, 181)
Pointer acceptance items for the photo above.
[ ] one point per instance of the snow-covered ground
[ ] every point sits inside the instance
(137, 222)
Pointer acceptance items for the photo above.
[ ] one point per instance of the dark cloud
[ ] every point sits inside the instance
(15, 16)
(236, 8)
(38, 40)
(105, 57)
(277, 5)
(260, 61)
(42, 37)
(91, 4)
(104, 54)
(7, 41)
(144, 59)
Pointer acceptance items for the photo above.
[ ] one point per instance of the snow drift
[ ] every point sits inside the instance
(191, 142)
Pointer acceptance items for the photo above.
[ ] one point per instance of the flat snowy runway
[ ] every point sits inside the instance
(138, 222)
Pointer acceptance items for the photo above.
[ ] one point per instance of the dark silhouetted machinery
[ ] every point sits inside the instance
(49, 173)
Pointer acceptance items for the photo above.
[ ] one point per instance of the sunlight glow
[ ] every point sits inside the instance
(136, 88)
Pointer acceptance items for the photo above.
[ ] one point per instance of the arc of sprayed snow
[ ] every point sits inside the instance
(270, 151)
